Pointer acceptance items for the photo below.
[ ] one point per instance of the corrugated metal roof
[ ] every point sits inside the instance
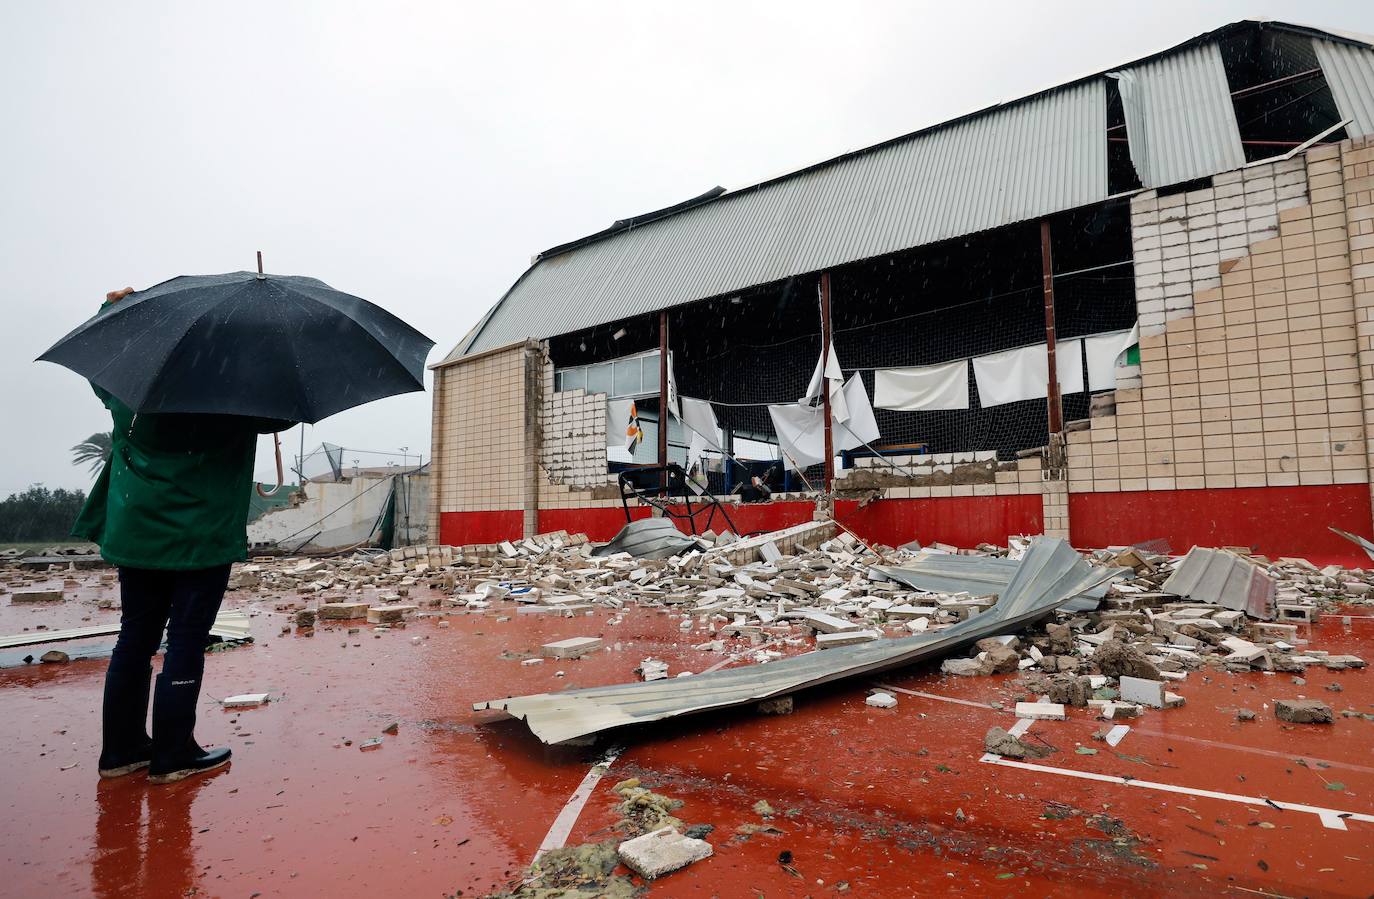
(1051, 573)
(1009, 163)
(1180, 121)
(1349, 71)
(1012, 164)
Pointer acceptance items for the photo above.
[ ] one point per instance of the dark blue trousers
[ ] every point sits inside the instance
(183, 602)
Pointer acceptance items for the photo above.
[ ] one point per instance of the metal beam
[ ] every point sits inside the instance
(826, 337)
(1056, 408)
(663, 413)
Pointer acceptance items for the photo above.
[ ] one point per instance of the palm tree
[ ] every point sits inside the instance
(95, 449)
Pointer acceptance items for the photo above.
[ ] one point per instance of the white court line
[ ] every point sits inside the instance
(1329, 817)
(557, 836)
(739, 655)
(977, 705)
(1140, 729)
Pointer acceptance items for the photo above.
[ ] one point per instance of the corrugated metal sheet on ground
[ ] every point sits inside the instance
(1051, 573)
(649, 538)
(1349, 71)
(1223, 578)
(229, 625)
(979, 576)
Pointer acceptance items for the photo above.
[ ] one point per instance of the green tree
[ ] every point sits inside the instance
(39, 514)
(95, 449)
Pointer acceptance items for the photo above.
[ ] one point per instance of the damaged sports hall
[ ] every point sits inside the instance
(1133, 307)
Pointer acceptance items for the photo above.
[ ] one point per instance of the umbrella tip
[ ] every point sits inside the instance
(261, 276)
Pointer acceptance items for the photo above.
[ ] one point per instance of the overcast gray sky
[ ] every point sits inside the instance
(418, 153)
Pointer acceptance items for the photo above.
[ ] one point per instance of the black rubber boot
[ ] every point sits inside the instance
(125, 746)
(176, 755)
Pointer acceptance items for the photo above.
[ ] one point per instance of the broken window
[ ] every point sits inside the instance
(1280, 95)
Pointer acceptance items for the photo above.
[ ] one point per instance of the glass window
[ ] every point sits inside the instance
(627, 378)
(572, 379)
(651, 373)
(599, 378)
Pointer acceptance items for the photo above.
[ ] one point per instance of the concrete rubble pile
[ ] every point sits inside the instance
(808, 588)
(831, 595)
(1127, 655)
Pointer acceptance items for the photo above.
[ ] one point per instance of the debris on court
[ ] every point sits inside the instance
(662, 851)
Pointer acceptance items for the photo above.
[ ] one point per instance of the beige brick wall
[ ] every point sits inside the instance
(1356, 188)
(481, 436)
(1255, 380)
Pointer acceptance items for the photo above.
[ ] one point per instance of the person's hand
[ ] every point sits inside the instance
(115, 296)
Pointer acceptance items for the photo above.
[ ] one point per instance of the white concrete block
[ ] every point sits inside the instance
(1040, 711)
(1143, 692)
(662, 851)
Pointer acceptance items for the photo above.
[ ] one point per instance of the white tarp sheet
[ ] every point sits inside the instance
(1012, 375)
(1068, 365)
(833, 376)
(801, 433)
(1104, 352)
(700, 419)
(922, 389)
(860, 427)
(1024, 374)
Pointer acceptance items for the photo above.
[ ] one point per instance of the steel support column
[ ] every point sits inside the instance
(1056, 407)
(663, 413)
(826, 337)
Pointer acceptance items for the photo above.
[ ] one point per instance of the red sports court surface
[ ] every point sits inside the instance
(871, 802)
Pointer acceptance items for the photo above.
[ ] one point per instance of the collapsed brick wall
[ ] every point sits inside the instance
(1179, 241)
(1251, 380)
(573, 452)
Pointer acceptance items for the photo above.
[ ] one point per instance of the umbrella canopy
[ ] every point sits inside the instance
(272, 346)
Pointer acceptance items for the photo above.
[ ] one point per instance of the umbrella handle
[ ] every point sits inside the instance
(281, 477)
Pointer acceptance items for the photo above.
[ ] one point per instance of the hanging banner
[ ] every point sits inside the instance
(673, 404)
(1024, 374)
(860, 427)
(922, 389)
(800, 429)
(1012, 375)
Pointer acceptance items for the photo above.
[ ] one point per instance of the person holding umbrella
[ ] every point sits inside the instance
(237, 356)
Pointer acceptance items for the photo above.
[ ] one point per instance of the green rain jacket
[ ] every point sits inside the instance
(174, 493)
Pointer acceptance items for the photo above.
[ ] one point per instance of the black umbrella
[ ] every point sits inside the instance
(274, 346)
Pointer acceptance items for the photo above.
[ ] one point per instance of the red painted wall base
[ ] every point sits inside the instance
(462, 528)
(957, 520)
(597, 524)
(1275, 521)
